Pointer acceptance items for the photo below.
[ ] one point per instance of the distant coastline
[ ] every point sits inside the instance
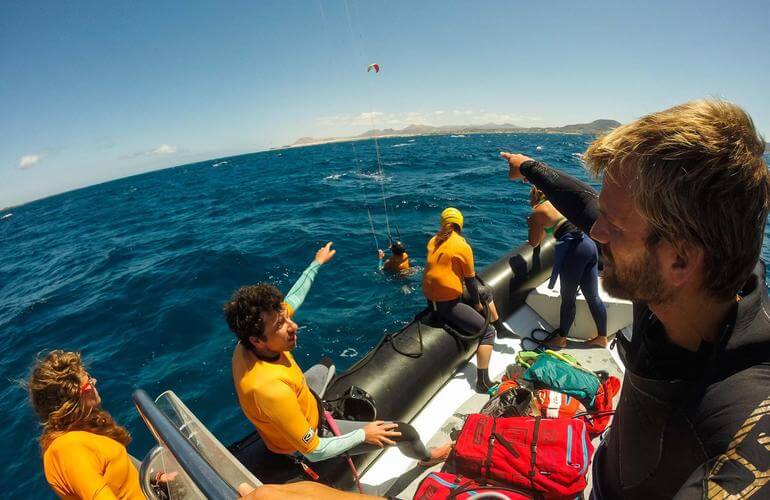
(595, 127)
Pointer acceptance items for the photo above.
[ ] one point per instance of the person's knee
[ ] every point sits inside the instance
(408, 433)
(489, 336)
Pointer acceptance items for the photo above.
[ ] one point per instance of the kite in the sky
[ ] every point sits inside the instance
(375, 67)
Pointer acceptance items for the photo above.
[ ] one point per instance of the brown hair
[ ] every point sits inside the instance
(445, 232)
(697, 175)
(55, 394)
(243, 310)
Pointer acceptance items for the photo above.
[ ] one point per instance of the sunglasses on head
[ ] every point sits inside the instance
(88, 385)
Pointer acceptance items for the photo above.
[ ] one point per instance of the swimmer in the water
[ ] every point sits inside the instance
(398, 262)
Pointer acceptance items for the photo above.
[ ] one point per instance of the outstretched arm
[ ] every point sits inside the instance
(578, 201)
(298, 292)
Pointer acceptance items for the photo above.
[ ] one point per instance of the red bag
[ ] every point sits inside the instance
(444, 486)
(547, 455)
(597, 421)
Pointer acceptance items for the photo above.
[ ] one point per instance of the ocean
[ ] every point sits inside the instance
(133, 272)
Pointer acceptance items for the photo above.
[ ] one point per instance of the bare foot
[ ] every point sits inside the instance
(598, 341)
(437, 455)
(557, 342)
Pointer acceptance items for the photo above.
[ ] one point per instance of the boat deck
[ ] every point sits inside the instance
(396, 475)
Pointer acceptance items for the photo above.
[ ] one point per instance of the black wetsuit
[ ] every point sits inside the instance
(688, 424)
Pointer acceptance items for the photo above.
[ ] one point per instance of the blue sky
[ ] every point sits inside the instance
(92, 91)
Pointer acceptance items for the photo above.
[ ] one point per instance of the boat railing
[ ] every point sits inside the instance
(177, 448)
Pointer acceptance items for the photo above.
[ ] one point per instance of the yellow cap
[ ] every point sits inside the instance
(451, 214)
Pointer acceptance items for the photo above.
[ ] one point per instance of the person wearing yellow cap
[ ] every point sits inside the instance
(448, 266)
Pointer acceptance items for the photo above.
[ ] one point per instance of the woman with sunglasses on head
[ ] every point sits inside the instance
(575, 265)
(84, 450)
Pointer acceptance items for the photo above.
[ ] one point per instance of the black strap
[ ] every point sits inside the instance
(490, 447)
(507, 445)
(533, 453)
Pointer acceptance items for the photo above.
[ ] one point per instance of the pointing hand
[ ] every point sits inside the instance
(514, 164)
(325, 254)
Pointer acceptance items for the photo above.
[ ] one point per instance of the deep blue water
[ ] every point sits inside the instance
(133, 272)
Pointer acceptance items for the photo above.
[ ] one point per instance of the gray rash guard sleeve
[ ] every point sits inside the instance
(298, 292)
(335, 446)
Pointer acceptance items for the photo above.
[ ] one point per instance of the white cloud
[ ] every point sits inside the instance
(164, 149)
(28, 161)
(369, 116)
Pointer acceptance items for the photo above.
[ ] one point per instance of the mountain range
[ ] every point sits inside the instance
(595, 127)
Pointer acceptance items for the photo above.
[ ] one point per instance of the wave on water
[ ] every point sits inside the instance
(458, 135)
(402, 144)
(6, 216)
(539, 148)
(411, 140)
(219, 163)
(377, 177)
(333, 177)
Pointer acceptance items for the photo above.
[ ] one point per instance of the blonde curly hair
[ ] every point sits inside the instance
(56, 397)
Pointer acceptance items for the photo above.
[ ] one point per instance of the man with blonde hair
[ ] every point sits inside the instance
(680, 222)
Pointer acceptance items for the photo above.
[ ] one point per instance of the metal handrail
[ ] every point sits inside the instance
(200, 472)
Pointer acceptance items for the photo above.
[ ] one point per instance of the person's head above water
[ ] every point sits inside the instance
(259, 318)
(64, 398)
(684, 201)
(397, 248)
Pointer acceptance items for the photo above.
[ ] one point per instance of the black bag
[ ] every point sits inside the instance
(515, 402)
(354, 404)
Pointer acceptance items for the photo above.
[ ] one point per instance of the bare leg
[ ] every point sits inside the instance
(492, 312)
(483, 355)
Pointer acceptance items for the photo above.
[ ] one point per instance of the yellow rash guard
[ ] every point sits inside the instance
(445, 268)
(275, 397)
(83, 465)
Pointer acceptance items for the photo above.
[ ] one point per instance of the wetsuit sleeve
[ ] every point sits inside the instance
(472, 285)
(335, 446)
(575, 199)
(280, 406)
(81, 469)
(298, 292)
